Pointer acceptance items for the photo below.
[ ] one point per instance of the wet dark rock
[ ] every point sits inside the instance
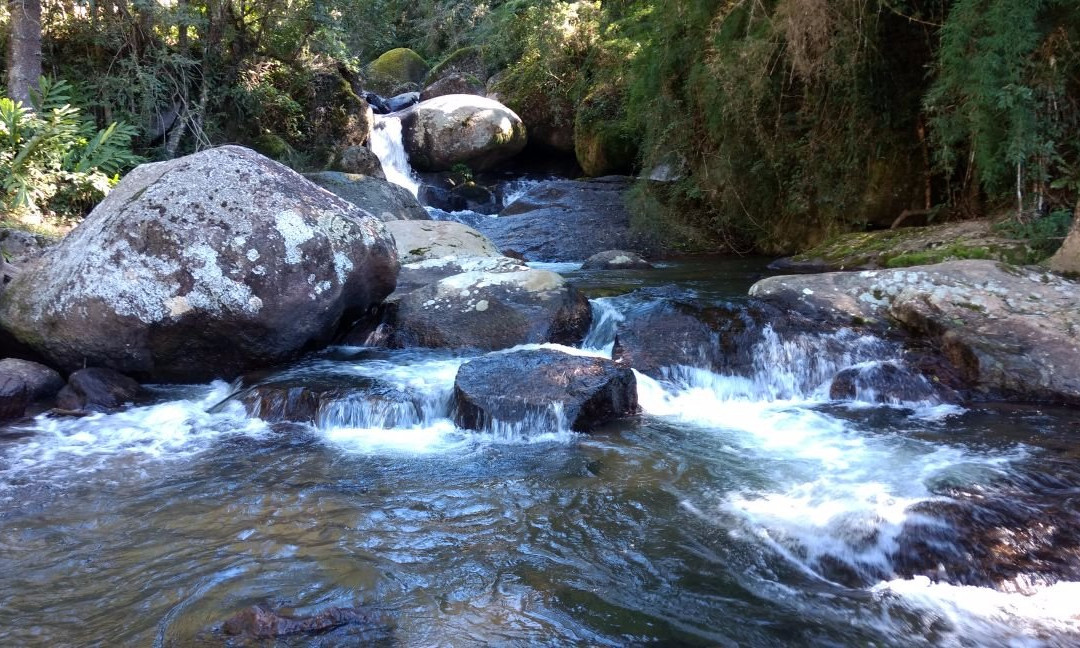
(441, 198)
(14, 397)
(718, 338)
(491, 310)
(258, 622)
(353, 401)
(359, 160)
(1016, 532)
(476, 198)
(568, 220)
(97, 389)
(204, 266)
(384, 200)
(527, 386)
(883, 382)
(41, 381)
(378, 104)
(403, 101)
(1007, 331)
(616, 260)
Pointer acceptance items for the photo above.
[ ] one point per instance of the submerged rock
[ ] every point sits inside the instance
(384, 200)
(616, 260)
(200, 267)
(883, 382)
(491, 310)
(568, 220)
(461, 129)
(97, 389)
(258, 622)
(1008, 331)
(327, 402)
(428, 239)
(543, 389)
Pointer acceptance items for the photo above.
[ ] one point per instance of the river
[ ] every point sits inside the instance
(748, 511)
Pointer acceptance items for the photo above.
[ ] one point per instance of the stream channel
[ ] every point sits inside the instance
(736, 511)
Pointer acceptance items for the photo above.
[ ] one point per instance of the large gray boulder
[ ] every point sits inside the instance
(461, 129)
(1009, 331)
(542, 390)
(201, 267)
(385, 200)
(491, 310)
(423, 240)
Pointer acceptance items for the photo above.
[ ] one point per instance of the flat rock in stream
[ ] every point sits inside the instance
(421, 240)
(384, 200)
(568, 220)
(491, 310)
(542, 390)
(1008, 331)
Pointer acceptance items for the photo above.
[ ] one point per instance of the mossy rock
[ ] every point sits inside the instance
(272, 146)
(469, 62)
(911, 246)
(604, 142)
(395, 69)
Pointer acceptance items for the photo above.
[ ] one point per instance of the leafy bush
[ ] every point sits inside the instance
(52, 160)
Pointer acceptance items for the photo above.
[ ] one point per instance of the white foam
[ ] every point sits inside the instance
(387, 145)
(170, 430)
(983, 616)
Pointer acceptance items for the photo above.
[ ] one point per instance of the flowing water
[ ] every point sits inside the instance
(738, 510)
(387, 146)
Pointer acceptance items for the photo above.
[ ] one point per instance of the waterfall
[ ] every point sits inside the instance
(387, 145)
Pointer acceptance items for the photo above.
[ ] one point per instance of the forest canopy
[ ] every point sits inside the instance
(773, 123)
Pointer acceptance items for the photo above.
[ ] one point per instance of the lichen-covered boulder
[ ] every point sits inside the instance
(428, 239)
(1009, 332)
(385, 200)
(396, 68)
(542, 389)
(201, 267)
(461, 129)
(491, 310)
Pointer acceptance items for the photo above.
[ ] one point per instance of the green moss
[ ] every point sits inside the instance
(395, 68)
(272, 146)
(937, 255)
(467, 61)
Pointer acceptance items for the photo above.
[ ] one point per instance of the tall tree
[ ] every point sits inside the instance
(24, 49)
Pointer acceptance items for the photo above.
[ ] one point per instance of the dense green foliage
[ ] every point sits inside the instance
(773, 123)
(55, 161)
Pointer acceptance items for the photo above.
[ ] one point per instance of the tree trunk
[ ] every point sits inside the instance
(1067, 259)
(24, 49)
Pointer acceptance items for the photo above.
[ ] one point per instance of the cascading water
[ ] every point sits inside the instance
(742, 509)
(387, 144)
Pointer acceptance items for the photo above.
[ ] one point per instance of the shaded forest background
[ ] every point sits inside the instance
(772, 123)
